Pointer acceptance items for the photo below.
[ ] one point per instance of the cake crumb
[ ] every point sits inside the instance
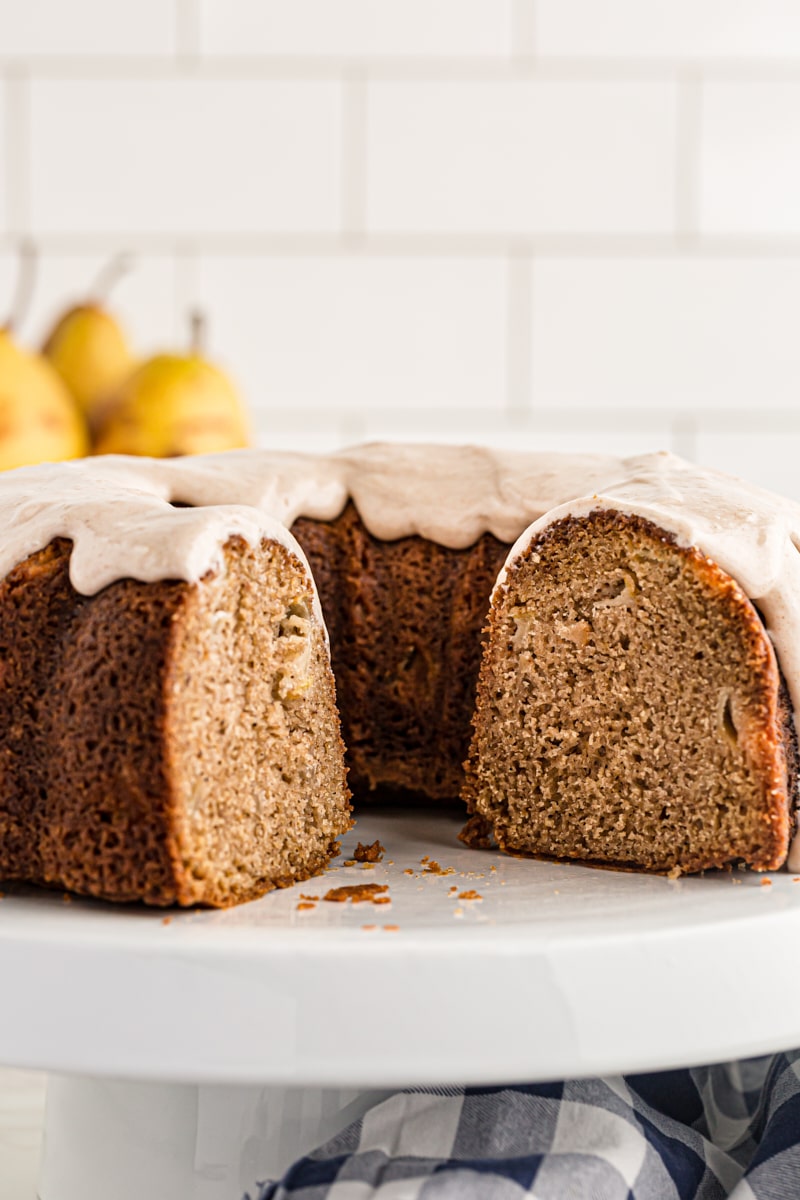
(304, 906)
(369, 854)
(166, 920)
(766, 883)
(453, 888)
(796, 879)
(382, 900)
(367, 866)
(369, 927)
(358, 893)
(470, 894)
(66, 898)
(303, 896)
(425, 858)
(434, 868)
(392, 928)
(477, 834)
(408, 871)
(675, 873)
(349, 862)
(458, 912)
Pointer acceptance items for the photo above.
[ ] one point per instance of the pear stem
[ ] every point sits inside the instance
(109, 275)
(26, 281)
(198, 330)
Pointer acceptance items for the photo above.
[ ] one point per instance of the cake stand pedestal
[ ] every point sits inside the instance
(165, 1141)
(192, 1054)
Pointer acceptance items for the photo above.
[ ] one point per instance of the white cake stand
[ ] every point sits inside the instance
(191, 1056)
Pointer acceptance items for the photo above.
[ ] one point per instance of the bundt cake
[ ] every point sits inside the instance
(168, 723)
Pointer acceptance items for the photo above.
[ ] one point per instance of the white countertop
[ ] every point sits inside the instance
(21, 1119)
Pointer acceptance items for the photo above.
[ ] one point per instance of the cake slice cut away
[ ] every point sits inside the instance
(171, 742)
(630, 708)
(405, 619)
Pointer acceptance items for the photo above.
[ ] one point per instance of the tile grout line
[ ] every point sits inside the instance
(187, 32)
(519, 288)
(353, 154)
(185, 269)
(740, 420)
(492, 68)
(523, 29)
(473, 245)
(679, 431)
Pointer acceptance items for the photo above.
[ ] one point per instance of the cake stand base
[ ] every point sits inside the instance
(167, 1141)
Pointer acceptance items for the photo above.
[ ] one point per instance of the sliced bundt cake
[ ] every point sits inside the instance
(174, 741)
(631, 710)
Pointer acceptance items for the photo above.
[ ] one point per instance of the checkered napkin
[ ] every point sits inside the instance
(723, 1131)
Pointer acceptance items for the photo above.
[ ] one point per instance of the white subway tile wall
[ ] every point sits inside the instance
(707, 337)
(46, 27)
(557, 223)
(775, 467)
(364, 334)
(750, 175)
(357, 28)
(521, 156)
(669, 29)
(184, 156)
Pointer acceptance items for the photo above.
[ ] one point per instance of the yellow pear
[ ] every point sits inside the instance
(171, 405)
(39, 421)
(88, 347)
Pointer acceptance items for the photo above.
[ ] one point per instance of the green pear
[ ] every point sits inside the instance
(39, 421)
(88, 348)
(172, 405)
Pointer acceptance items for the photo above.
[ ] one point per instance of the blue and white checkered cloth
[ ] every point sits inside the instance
(731, 1130)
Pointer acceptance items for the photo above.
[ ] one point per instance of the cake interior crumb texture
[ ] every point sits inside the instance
(177, 743)
(405, 620)
(630, 709)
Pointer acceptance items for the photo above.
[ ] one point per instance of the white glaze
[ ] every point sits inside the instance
(118, 510)
(118, 515)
